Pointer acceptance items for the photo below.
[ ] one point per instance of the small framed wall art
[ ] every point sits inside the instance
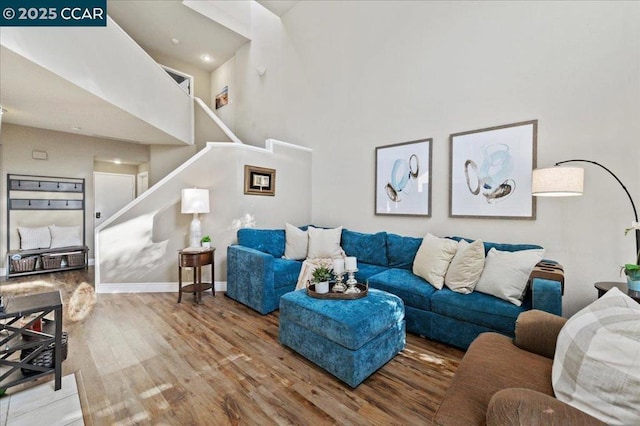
(222, 98)
(259, 180)
(491, 172)
(403, 179)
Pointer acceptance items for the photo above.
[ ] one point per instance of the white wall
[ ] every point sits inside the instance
(223, 76)
(68, 155)
(201, 78)
(108, 167)
(345, 77)
(259, 101)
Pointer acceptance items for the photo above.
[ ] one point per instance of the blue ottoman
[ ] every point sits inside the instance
(349, 338)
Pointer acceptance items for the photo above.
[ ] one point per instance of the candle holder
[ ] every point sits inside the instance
(351, 282)
(339, 286)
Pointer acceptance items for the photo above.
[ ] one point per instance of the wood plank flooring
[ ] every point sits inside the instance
(144, 359)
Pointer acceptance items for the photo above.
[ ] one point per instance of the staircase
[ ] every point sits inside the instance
(135, 249)
(110, 70)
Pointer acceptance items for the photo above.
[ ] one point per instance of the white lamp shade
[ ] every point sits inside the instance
(557, 182)
(195, 200)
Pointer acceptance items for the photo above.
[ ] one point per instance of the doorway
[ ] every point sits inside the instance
(143, 183)
(112, 191)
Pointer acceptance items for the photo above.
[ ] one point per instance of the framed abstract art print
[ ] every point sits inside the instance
(491, 172)
(403, 179)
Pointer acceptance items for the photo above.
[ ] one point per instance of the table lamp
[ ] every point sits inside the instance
(568, 181)
(195, 201)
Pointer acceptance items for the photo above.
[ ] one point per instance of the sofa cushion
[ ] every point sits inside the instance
(506, 274)
(270, 241)
(365, 271)
(477, 308)
(501, 246)
(413, 290)
(402, 250)
(285, 272)
(433, 259)
(367, 248)
(324, 243)
(517, 406)
(466, 267)
(595, 368)
(296, 242)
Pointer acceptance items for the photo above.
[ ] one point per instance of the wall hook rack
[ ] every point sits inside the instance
(42, 192)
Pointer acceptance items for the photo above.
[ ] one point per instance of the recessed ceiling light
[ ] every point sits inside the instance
(175, 41)
(206, 58)
(76, 128)
(117, 162)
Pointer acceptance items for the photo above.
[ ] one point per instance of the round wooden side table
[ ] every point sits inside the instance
(196, 259)
(605, 286)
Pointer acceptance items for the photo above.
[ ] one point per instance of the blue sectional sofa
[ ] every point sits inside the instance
(258, 275)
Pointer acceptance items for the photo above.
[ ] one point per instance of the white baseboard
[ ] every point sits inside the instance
(148, 287)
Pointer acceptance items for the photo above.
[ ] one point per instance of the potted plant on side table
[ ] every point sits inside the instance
(631, 270)
(321, 276)
(206, 241)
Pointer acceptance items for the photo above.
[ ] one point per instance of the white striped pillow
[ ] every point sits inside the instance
(596, 367)
(34, 238)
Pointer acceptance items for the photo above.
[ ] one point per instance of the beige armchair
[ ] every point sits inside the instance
(508, 382)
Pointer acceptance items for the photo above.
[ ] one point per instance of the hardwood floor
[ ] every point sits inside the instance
(144, 359)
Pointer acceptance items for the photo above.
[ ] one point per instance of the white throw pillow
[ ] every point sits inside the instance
(506, 273)
(34, 238)
(296, 242)
(466, 267)
(595, 367)
(65, 236)
(324, 243)
(433, 258)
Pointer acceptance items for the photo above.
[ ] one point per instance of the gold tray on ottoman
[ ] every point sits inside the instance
(364, 290)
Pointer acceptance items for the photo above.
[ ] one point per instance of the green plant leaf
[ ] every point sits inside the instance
(321, 273)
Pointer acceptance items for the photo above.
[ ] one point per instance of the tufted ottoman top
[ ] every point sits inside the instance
(349, 323)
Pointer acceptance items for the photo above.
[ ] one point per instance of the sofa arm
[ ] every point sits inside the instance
(250, 278)
(537, 332)
(546, 295)
(517, 406)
